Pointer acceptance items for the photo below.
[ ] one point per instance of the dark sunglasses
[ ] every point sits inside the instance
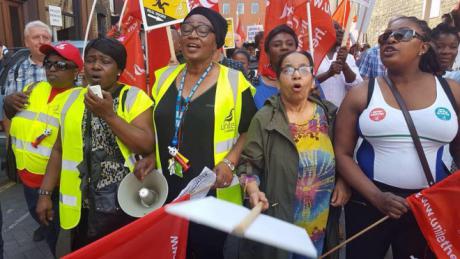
(402, 35)
(202, 30)
(58, 65)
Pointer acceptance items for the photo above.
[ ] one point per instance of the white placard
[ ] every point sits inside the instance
(55, 15)
(252, 30)
(225, 216)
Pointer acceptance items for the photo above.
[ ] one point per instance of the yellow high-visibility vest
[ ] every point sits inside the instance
(28, 124)
(132, 102)
(227, 110)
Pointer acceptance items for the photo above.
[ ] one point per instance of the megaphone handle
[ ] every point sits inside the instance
(246, 222)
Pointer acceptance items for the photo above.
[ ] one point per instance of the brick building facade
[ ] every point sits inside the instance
(14, 14)
(385, 9)
(251, 12)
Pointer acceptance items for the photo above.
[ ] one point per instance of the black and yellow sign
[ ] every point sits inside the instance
(230, 37)
(161, 13)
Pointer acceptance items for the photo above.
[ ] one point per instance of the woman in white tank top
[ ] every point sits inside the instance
(388, 168)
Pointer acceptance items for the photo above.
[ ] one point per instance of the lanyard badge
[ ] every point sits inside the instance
(178, 163)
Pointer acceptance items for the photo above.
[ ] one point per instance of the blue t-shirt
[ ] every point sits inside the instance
(263, 92)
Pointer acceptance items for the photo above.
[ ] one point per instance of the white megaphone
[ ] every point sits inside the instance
(138, 198)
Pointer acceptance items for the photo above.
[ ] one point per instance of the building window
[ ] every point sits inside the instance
(240, 8)
(225, 8)
(254, 8)
(435, 8)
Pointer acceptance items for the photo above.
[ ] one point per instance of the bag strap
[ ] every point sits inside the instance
(412, 130)
(448, 91)
(370, 90)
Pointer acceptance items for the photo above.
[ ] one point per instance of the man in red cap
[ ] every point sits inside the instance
(35, 126)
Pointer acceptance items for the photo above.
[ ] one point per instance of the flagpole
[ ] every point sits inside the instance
(362, 23)
(348, 27)
(88, 25)
(147, 71)
(172, 52)
(310, 33)
(122, 13)
(354, 237)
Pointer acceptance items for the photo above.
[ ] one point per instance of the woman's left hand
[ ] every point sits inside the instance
(102, 108)
(224, 175)
(341, 194)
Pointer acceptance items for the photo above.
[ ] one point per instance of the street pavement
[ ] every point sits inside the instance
(18, 225)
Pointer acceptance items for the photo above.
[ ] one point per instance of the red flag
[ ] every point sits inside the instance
(158, 50)
(213, 4)
(129, 35)
(437, 211)
(156, 235)
(342, 12)
(239, 29)
(294, 14)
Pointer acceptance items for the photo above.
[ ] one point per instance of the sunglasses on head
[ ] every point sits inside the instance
(58, 65)
(402, 35)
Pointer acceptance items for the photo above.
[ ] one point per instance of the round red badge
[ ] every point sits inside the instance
(377, 114)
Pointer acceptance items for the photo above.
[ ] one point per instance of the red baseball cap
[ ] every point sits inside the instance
(65, 50)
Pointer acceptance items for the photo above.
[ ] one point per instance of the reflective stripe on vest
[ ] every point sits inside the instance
(27, 146)
(68, 199)
(131, 97)
(225, 145)
(69, 165)
(165, 76)
(41, 117)
(70, 100)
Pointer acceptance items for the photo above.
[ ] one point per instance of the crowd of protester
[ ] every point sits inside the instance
(311, 142)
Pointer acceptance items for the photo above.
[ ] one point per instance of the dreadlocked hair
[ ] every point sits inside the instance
(428, 62)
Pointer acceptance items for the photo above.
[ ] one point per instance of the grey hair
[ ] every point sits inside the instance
(36, 24)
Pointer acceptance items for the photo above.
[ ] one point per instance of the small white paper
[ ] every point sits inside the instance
(225, 216)
(199, 186)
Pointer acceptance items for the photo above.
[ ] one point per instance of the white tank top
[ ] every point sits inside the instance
(388, 154)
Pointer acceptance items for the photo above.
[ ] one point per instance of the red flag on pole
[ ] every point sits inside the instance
(437, 211)
(158, 50)
(129, 35)
(342, 12)
(213, 4)
(156, 235)
(294, 14)
(239, 29)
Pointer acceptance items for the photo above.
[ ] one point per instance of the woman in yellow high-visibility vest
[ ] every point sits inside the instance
(95, 149)
(34, 127)
(202, 110)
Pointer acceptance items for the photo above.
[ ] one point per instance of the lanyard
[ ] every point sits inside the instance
(180, 109)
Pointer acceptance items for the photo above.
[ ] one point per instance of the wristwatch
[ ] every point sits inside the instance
(44, 192)
(229, 164)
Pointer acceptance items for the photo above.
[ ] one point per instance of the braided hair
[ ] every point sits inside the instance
(429, 62)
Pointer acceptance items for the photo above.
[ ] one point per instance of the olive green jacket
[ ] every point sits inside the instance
(271, 154)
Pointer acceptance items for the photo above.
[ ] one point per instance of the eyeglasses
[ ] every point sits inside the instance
(303, 70)
(402, 35)
(202, 30)
(58, 65)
